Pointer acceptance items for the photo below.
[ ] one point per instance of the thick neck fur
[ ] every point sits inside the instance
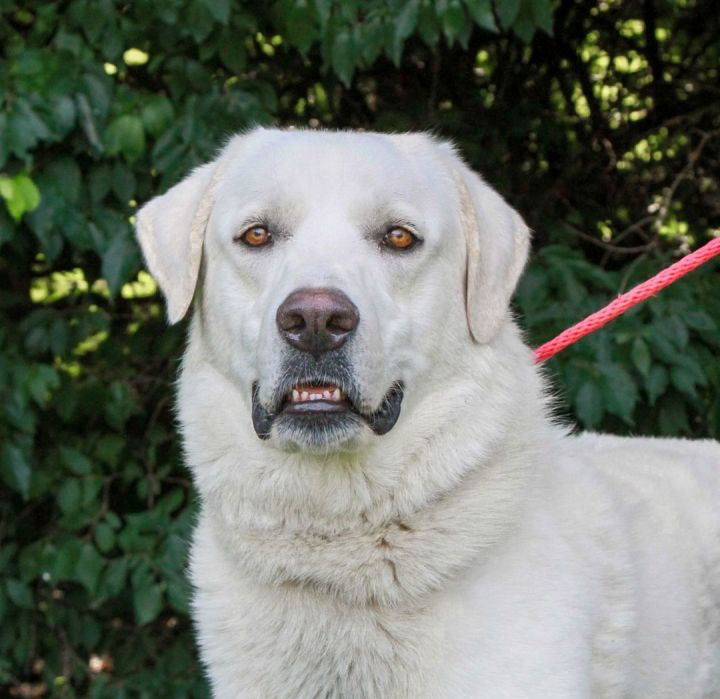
(389, 524)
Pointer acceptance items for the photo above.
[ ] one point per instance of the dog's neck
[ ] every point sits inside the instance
(409, 514)
(390, 562)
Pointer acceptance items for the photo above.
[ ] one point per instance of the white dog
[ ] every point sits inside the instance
(387, 508)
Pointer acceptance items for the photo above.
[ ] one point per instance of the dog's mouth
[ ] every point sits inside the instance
(304, 399)
(326, 407)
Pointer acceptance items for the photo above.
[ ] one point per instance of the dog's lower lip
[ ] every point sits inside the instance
(316, 406)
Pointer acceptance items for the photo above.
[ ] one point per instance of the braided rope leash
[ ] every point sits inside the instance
(624, 301)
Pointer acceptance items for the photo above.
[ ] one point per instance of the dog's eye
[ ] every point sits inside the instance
(256, 237)
(400, 238)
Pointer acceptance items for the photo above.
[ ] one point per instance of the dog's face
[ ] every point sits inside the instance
(343, 275)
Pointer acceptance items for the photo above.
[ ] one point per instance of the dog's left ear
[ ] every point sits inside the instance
(497, 241)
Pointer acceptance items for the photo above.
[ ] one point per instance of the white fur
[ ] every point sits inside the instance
(476, 550)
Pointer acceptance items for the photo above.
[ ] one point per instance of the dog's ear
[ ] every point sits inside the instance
(497, 242)
(171, 230)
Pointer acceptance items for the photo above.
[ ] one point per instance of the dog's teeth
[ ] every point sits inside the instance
(319, 393)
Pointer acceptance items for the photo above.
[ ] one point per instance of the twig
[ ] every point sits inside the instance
(613, 248)
(664, 208)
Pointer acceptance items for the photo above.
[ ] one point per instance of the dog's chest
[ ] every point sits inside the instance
(288, 640)
(348, 652)
(292, 642)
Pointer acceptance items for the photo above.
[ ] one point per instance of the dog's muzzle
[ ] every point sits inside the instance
(318, 401)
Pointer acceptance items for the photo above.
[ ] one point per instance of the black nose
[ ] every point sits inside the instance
(317, 320)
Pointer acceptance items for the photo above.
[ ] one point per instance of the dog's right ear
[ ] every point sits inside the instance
(171, 230)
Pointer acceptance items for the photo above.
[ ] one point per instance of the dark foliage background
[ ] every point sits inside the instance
(598, 119)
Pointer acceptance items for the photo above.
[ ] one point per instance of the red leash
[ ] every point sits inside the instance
(628, 299)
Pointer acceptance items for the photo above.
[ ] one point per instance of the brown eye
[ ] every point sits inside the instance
(400, 238)
(256, 237)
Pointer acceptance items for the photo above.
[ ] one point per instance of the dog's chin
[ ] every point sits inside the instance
(323, 418)
(320, 434)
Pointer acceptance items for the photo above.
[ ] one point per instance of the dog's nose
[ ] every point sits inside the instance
(317, 320)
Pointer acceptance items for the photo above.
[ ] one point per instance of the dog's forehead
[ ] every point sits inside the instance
(341, 166)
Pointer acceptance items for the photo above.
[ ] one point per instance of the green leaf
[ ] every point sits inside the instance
(19, 594)
(232, 52)
(481, 11)
(589, 404)
(104, 537)
(58, 336)
(178, 592)
(147, 594)
(64, 113)
(373, 41)
(66, 560)
(701, 321)
(641, 356)
(43, 379)
(343, 55)
(15, 469)
(99, 183)
(90, 489)
(524, 25)
(199, 20)
(109, 448)
(656, 382)
(683, 380)
(3, 139)
(455, 24)
(542, 14)
(148, 603)
(219, 9)
(672, 418)
(125, 135)
(663, 341)
(69, 496)
(620, 391)
(157, 113)
(24, 128)
(170, 502)
(300, 27)
(78, 463)
(113, 520)
(678, 330)
(63, 178)
(91, 18)
(507, 12)
(89, 566)
(123, 182)
(20, 194)
(406, 20)
(7, 191)
(120, 405)
(428, 24)
(119, 261)
(27, 191)
(112, 580)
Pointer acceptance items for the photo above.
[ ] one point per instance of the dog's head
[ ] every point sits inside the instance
(337, 276)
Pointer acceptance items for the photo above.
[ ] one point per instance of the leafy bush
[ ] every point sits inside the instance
(599, 121)
(655, 371)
